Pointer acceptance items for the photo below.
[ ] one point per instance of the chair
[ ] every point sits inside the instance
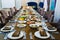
(33, 4)
(15, 9)
(5, 16)
(48, 16)
(41, 9)
(2, 21)
(41, 4)
(12, 11)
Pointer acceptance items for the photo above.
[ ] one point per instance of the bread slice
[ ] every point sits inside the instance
(16, 34)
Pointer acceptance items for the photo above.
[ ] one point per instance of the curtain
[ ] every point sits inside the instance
(45, 5)
(57, 11)
(52, 4)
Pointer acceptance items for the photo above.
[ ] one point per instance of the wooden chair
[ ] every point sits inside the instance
(48, 16)
(15, 9)
(4, 17)
(12, 11)
(2, 21)
(4, 14)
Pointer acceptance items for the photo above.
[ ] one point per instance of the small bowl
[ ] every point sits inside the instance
(34, 25)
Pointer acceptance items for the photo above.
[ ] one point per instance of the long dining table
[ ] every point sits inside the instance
(29, 32)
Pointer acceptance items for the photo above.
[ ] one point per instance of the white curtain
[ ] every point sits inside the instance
(45, 5)
(57, 11)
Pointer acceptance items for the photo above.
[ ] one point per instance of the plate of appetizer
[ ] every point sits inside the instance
(30, 22)
(21, 25)
(15, 35)
(42, 34)
(49, 28)
(21, 21)
(34, 25)
(38, 23)
(7, 28)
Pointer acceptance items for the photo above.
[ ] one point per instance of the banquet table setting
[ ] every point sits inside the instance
(28, 24)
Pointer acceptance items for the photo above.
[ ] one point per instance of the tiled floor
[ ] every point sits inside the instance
(1, 36)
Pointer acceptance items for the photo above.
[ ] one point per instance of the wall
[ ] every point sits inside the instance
(57, 11)
(0, 4)
(8, 3)
(19, 3)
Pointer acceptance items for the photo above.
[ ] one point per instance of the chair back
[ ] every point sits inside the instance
(33, 4)
(12, 11)
(41, 4)
(4, 14)
(15, 9)
(49, 16)
(2, 19)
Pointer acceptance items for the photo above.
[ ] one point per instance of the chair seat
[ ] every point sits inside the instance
(33, 4)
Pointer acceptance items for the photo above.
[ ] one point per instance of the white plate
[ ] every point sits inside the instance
(12, 20)
(7, 30)
(21, 25)
(21, 21)
(48, 29)
(37, 34)
(43, 23)
(38, 23)
(35, 25)
(20, 36)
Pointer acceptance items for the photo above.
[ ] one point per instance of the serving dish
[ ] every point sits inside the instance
(38, 35)
(51, 28)
(20, 35)
(30, 22)
(21, 25)
(34, 25)
(7, 29)
(21, 21)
